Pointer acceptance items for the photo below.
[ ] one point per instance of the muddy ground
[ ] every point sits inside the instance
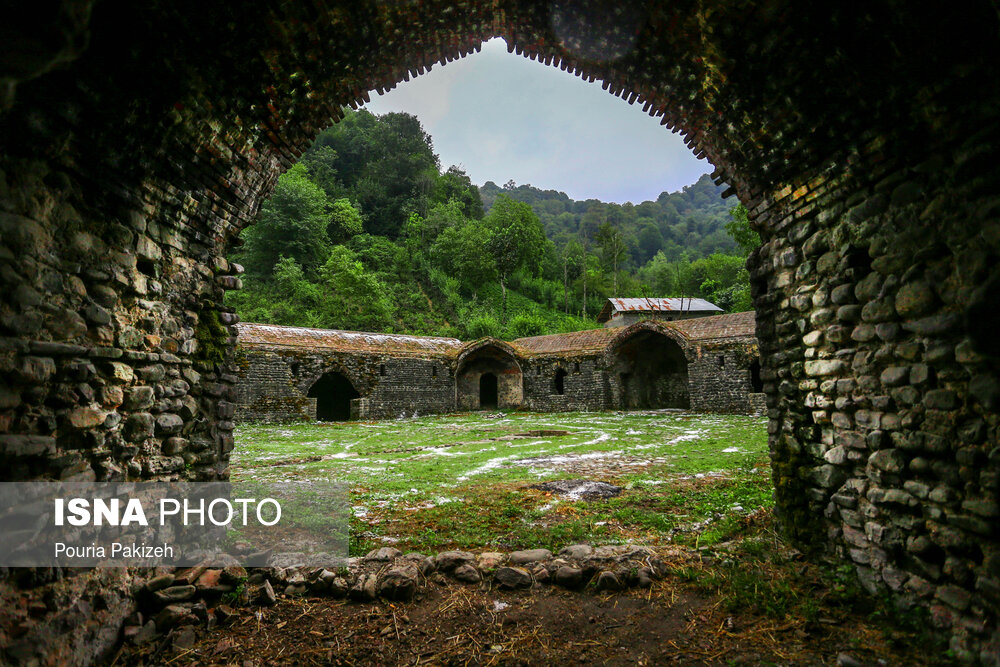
(672, 623)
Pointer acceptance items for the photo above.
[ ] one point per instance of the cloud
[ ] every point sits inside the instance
(505, 117)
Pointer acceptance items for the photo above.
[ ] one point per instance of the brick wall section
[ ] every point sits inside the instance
(277, 366)
(584, 386)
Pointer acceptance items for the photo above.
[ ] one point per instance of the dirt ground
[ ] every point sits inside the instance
(465, 625)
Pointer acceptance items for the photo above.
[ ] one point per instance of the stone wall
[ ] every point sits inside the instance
(719, 380)
(863, 141)
(584, 386)
(274, 383)
(880, 288)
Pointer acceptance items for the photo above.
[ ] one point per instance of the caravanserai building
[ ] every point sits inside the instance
(707, 364)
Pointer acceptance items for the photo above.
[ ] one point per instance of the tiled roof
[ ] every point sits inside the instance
(590, 341)
(734, 325)
(595, 341)
(579, 342)
(646, 305)
(273, 335)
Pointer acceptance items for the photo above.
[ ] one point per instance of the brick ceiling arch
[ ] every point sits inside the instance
(220, 99)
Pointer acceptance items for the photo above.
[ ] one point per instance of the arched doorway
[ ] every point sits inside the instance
(756, 383)
(488, 377)
(333, 393)
(651, 372)
(488, 391)
(560, 382)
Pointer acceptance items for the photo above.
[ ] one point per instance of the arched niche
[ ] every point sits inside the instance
(489, 377)
(648, 369)
(333, 393)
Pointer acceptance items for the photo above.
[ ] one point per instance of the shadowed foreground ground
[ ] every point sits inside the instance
(750, 602)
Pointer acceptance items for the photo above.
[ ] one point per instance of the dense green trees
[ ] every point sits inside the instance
(366, 232)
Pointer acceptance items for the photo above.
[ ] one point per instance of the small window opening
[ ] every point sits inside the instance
(576, 367)
(146, 267)
(295, 368)
(381, 369)
(434, 371)
(756, 383)
(722, 361)
(560, 385)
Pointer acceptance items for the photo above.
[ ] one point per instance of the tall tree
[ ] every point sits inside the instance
(291, 223)
(515, 240)
(613, 250)
(746, 237)
(455, 185)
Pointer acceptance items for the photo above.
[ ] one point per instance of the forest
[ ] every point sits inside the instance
(368, 232)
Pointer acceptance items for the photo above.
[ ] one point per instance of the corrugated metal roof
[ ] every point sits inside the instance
(649, 304)
(274, 335)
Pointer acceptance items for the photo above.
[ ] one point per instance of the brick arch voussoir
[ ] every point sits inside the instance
(632, 331)
(471, 351)
(327, 368)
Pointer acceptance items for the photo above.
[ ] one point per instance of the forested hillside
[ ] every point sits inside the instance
(368, 232)
(692, 220)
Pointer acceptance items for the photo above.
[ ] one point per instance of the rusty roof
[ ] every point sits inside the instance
(732, 325)
(649, 304)
(274, 335)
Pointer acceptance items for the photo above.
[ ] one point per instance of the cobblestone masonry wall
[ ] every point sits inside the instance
(583, 386)
(863, 141)
(719, 379)
(272, 384)
(877, 295)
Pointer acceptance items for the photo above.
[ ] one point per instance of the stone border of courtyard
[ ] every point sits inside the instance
(199, 596)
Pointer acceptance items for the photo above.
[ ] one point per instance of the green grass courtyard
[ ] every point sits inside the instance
(466, 481)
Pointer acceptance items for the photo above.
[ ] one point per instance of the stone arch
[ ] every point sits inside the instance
(131, 159)
(492, 366)
(647, 367)
(333, 393)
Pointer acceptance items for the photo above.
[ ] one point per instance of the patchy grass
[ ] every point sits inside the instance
(441, 482)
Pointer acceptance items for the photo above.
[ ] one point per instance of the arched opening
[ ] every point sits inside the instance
(333, 393)
(560, 381)
(488, 377)
(488, 391)
(652, 372)
(833, 152)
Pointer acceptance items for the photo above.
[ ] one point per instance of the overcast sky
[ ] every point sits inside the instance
(501, 116)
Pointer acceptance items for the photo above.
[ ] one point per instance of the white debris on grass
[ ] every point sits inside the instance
(563, 459)
(492, 464)
(499, 606)
(731, 450)
(687, 436)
